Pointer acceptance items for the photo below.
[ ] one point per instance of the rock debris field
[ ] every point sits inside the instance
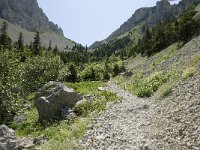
(148, 123)
(126, 125)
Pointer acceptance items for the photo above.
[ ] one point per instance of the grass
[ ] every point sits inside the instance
(188, 72)
(119, 79)
(64, 134)
(165, 90)
(195, 59)
(87, 87)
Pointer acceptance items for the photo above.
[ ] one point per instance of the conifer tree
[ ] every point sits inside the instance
(50, 47)
(5, 40)
(55, 50)
(20, 42)
(36, 44)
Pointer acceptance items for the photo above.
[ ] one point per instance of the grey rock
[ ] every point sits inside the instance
(20, 119)
(101, 88)
(52, 98)
(89, 97)
(128, 73)
(25, 143)
(6, 132)
(8, 140)
(67, 113)
(39, 140)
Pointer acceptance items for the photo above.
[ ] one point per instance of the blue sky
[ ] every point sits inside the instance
(87, 21)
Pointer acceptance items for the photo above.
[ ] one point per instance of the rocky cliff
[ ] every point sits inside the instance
(151, 15)
(28, 15)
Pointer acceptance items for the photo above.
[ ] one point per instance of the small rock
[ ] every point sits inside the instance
(100, 137)
(89, 97)
(20, 119)
(101, 88)
(39, 140)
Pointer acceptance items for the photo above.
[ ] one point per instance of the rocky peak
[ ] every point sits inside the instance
(28, 15)
(163, 5)
(140, 14)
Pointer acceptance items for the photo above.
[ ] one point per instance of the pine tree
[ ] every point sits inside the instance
(5, 40)
(20, 42)
(50, 47)
(55, 50)
(36, 44)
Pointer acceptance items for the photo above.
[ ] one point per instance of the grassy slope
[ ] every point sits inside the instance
(166, 67)
(178, 62)
(135, 35)
(60, 41)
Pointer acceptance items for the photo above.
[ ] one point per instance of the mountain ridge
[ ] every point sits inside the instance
(151, 16)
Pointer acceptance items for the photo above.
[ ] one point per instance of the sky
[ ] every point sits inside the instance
(87, 21)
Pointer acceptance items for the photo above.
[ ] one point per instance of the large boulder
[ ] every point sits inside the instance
(52, 98)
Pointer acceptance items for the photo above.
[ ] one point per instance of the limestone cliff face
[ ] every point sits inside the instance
(151, 15)
(28, 15)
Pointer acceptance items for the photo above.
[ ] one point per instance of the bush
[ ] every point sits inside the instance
(93, 72)
(151, 84)
(39, 70)
(10, 101)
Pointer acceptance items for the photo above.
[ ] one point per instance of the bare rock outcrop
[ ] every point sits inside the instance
(52, 98)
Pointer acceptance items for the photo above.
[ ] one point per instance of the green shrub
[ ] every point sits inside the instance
(10, 102)
(144, 87)
(151, 84)
(39, 70)
(189, 72)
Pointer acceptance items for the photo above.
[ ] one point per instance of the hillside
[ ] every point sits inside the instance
(169, 119)
(150, 16)
(59, 40)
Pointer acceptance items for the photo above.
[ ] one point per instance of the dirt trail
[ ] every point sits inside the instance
(124, 126)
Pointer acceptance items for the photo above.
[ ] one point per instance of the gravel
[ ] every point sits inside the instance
(125, 126)
(172, 123)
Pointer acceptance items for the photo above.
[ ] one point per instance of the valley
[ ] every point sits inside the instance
(138, 89)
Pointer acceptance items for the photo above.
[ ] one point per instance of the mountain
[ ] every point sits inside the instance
(27, 17)
(150, 16)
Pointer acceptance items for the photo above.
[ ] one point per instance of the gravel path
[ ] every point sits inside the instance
(172, 123)
(124, 126)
